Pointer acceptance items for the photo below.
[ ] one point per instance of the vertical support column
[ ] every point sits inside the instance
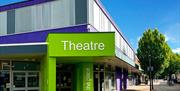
(84, 77)
(48, 74)
(119, 79)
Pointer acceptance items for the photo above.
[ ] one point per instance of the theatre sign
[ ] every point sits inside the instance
(81, 44)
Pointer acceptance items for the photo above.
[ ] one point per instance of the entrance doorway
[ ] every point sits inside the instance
(99, 83)
(104, 78)
(64, 78)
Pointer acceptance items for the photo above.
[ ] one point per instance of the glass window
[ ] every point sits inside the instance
(26, 66)
(18, 79)
(96, 67)
(33, 79)
(4, 75)
(99, 84)
(110, 81)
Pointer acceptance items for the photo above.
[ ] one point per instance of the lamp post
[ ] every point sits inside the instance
(150, 72)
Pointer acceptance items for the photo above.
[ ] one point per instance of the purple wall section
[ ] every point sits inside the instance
(23, 4)
(39, 36)
(119, 79)
(125, 77)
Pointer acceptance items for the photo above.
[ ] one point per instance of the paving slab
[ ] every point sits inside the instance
(159, 85)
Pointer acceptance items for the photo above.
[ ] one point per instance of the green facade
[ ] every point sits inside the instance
(48, 74)
(83, 72)
(84, 77)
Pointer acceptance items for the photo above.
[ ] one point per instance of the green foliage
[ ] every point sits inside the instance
(174, 65)
(152, 47)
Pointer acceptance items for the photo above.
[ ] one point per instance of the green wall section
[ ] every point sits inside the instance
(83, 72)
(84, 77)
(48, 74)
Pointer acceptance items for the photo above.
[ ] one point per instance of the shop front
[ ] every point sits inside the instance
(65, 62)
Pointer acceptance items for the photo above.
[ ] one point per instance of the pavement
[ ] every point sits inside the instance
(159, 85)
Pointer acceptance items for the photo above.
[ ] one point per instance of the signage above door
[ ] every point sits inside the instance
(81, 44)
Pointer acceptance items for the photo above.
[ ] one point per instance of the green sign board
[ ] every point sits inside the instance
(81, 44)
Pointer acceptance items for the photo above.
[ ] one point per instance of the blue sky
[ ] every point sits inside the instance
(6, 2)
(135, 16)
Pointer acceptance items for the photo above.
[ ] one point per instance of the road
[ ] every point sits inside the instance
(159, 85)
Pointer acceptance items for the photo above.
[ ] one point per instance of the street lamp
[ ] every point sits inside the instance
(150, 68)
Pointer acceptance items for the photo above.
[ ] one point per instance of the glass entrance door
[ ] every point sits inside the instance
(25, 81)
(99, 82)
(64, 78)
(104, 78)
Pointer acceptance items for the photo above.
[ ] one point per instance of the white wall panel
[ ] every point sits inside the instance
(96, 17)
(3, 23)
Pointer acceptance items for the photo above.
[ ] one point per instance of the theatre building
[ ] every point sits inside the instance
(62, 45)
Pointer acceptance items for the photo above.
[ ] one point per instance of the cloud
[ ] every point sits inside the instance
(138, 38)
(166, 38)
(177, 50)
(172, 33)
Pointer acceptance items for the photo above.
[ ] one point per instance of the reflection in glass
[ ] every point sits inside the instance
(33, 66)
(4, 76)
(96, 81)
(102, 83)
(64, 78)
(33, 79)
(19, 79)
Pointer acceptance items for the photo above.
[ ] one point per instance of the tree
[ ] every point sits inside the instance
(153, 47)
(174, 65)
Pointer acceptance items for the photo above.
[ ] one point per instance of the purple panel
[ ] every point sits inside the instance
(125, 76)
(39, 36)
(23, 4)
(119, 79)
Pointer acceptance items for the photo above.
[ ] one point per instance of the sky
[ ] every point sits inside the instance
(6, 2)
(133, 17)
